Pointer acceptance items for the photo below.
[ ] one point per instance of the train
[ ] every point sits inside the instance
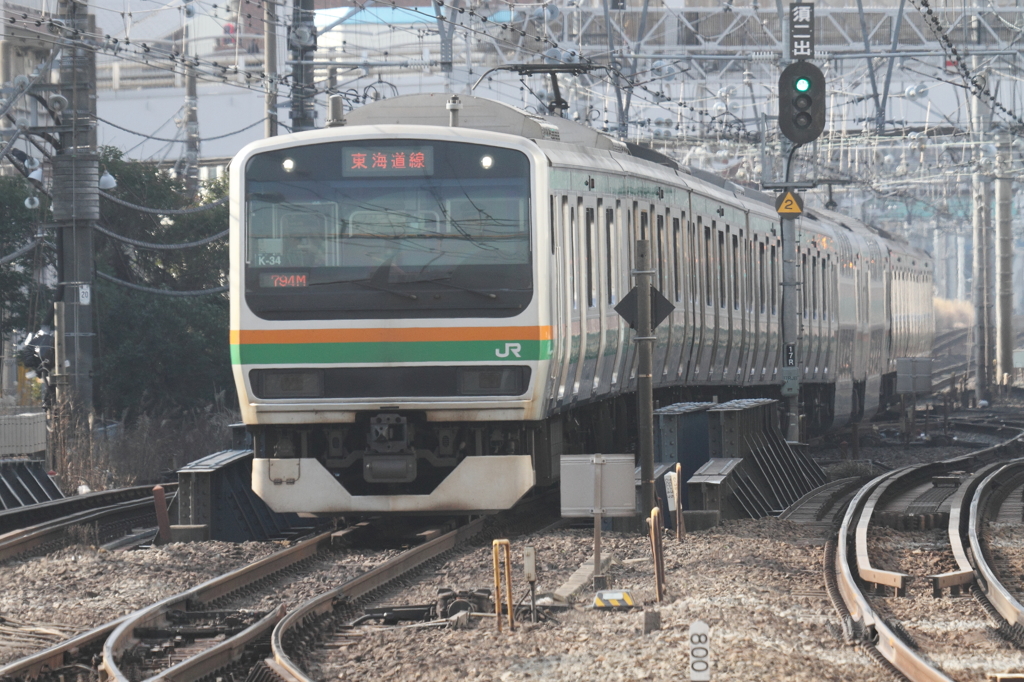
(423, 305)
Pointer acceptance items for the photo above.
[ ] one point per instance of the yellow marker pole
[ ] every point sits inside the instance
(659, 570)
(503, 549)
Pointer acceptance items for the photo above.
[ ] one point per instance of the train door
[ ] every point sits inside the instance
(720, 279)
(704, 317)
(580, 299)
(632, 233)
(559, 312)
(620, 276)
(564, 215)
(590, 281)
(814, 316)
(572, 259)
(773, 353)
(612, 322)
(680, 316)
(662, 266)
(749, 271)
(828, 317)
(695, 305)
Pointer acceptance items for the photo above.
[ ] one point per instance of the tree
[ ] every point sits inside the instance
(158, 354)
(24, 303)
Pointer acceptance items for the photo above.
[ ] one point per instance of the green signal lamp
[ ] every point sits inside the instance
(802, 84)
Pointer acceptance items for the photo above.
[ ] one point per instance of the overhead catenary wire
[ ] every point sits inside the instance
(164, 211)
(160, 292)
(159, 247)
(168, 139)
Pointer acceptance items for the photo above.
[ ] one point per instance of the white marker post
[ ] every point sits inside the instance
(700, 652)
(530, 569)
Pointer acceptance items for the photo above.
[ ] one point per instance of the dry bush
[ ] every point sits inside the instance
(952, 314)
(146, 451)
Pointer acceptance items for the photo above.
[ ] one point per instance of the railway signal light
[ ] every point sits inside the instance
(802, 102)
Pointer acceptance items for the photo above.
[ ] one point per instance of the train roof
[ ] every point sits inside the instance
(429, 109)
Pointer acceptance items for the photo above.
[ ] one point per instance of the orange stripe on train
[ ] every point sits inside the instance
(402, 334)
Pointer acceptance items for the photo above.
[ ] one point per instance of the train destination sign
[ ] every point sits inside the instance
(387, 161)
(276, 280)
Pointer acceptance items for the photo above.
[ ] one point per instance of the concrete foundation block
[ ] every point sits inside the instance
(199, 533)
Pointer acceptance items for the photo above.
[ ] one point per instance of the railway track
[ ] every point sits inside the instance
(934, 507)
(224, 624)
(104, 517)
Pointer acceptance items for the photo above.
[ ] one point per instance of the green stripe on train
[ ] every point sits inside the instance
(402, 351)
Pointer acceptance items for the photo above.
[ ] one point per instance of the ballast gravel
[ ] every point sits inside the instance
(758, 584)
(80, 587)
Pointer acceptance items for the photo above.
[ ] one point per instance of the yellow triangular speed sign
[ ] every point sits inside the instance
(789, 203)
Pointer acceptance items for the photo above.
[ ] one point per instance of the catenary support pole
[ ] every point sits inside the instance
(191, 110)
(1004, 261)
(270, 67)
(76, 208)
(644, 378)
(979, 287)
(302, 46)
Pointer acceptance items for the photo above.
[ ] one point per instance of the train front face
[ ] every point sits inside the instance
(389, 340)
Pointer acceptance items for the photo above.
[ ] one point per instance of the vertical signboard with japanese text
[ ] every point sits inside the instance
(801, 31)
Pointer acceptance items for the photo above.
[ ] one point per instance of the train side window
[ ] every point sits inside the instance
(803, 283)
(660, 263)
(693, 257)
(630, 242)
(748, 273)
(721, 268)
(609, 226)
(591, 262)
(735, 272)
(774, 282)
(677, 259)
(707, 265)
(760, 274)
(824, 288)
(551, 221)
(572, 258)
(643, 225)
(814, 287)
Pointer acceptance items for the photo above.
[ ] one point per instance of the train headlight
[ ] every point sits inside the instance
(288, 383)
(486, 162)
(288, 165)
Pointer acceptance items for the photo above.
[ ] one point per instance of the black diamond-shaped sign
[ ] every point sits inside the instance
(661, 308)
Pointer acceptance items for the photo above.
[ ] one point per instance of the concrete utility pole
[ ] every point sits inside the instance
(981, 193)
(302, 45)
(270, 66)
(191, 106)
(1004, 261)
(644, 374)
(790, 313)
(76, 208)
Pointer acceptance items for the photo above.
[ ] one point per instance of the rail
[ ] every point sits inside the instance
(51, 533)
(852, 568)
(994, 488)
(34, 514)
(374, 579)
(123, 636)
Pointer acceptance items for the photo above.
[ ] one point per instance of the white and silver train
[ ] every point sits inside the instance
(422, 315)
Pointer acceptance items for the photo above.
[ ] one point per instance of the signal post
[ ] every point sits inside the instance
(801, 121)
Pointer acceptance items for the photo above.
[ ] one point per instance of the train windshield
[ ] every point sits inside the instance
(388, 228)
